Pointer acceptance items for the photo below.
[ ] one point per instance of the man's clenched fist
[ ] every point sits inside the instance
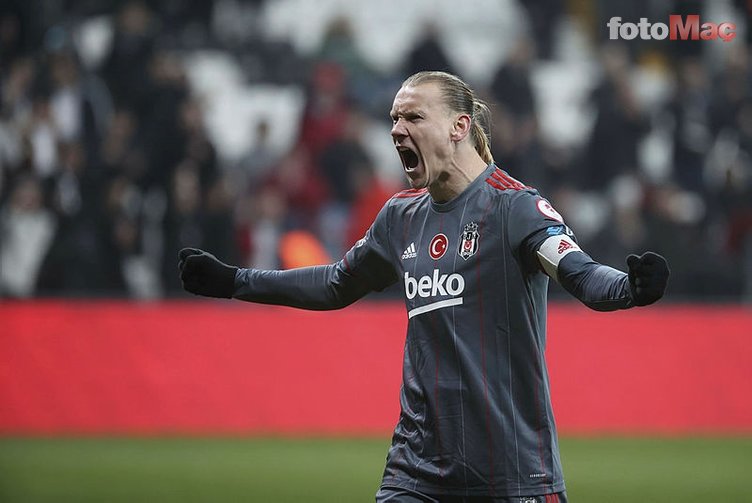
(203, 274)
(648, 275)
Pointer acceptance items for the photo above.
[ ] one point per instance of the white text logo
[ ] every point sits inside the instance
(439, 284)
(434, 286)
(677, 28)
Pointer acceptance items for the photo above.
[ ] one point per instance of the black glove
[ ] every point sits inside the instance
(203, 274)
(648, 275)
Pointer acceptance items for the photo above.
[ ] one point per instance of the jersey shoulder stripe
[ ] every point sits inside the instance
(409, 193)
(518, 185)
(502, 181)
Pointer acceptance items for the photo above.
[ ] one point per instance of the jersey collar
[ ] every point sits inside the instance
(469, 190)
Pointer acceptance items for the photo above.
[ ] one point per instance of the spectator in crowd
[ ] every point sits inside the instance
(428, 54)
(619, 123)
(261, 223)
(297, 178)
(691, 112)
(169, 123)
(119, 232)
(544, 16)
(325, 113)
(369, 196)
(27, 229)
(260, 159)
(10, 39)
(126, 64)
(339, 164)
(195, 143)
(74, 262)
(513, 138)
(185, 219)
(340, 47)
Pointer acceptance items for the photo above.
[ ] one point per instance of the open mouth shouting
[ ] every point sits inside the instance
(409, 157)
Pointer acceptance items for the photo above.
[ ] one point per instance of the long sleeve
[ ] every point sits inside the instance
(366, 267)
(316, 288)
(543, 242)
(598, 286)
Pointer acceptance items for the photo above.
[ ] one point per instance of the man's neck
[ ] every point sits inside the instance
(453, 180)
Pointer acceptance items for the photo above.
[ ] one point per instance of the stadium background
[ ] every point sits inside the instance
(259, 130)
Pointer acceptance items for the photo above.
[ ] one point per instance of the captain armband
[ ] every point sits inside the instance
(553, 250)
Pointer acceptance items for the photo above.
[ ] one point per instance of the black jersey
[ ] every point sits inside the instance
(476, 416)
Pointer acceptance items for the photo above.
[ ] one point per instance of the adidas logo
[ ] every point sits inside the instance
(563, 246)
(410, 252)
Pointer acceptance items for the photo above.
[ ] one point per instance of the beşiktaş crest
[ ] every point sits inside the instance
(469, 242)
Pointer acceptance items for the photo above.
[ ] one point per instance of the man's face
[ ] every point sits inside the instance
(421, 131)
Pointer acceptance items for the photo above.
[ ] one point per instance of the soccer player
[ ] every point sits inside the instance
(473, 248)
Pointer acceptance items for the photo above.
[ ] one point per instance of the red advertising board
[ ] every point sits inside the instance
(229, 367)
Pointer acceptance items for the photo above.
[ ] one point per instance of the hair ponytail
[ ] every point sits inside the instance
(480, 130)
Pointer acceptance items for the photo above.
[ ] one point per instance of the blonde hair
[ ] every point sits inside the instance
(460, 98)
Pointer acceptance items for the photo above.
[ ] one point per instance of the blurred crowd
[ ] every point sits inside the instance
(107, 169)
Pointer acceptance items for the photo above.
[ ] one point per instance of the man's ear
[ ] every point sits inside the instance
(461, 127)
